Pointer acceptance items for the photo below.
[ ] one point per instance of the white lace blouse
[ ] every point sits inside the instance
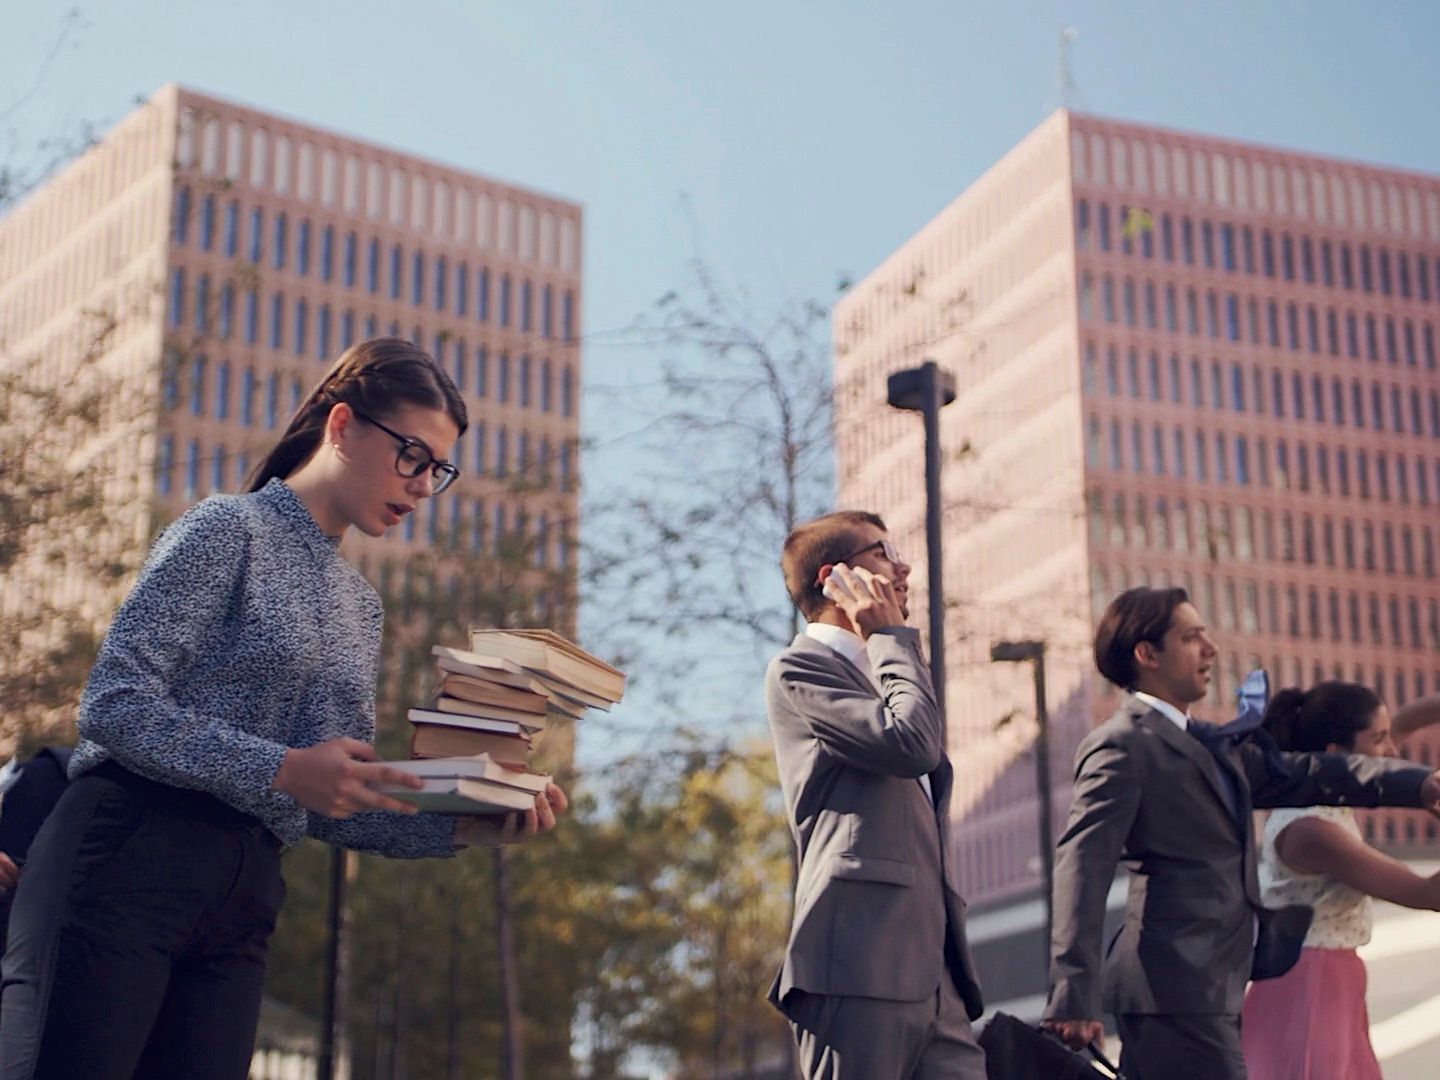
(1343, 915)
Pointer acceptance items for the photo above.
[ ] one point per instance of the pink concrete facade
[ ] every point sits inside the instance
(1214, 367)
(289, 243)
(242, 252)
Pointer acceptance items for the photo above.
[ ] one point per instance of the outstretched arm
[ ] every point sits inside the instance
(1313, 845)
(1411, 718)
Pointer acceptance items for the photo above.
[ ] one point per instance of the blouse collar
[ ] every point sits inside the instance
(279, 497)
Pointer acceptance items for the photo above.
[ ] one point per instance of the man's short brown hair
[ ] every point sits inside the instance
(828, 539)
(1136, 615)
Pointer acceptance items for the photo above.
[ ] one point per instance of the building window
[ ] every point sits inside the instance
(197, 386)
(348, 273)
(302, 322)
(222, 390)
(327, 253)
(227, 311)
(482, 294)
(192, 469)
(302, 248)
(207, 223)
(504, 299)
(277, 253)
(462, 289)
(372, 267)
(322, 331)
(165, 465)
(502, 390)
(417, 277)
(482, 371)
(247, 398)
(277, 320)
(232, 227)
(395, 268)
(177, 297)
(252, 317)
(272, 400)
(202, 304)
(441, 277)
(181, 224)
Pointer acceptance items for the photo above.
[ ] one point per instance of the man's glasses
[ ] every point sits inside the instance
(414, 459)
(891, 553)
(887, 549)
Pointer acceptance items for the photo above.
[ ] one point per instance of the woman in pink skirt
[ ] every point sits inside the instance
(1311, 1023)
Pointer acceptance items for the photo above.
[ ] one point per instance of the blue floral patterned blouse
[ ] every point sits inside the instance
(246, 634)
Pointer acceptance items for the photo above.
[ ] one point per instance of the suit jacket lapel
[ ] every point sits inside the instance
(1185, 744)
(805, 643)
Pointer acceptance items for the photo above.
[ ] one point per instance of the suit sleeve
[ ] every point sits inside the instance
(898, 734)
(1107, 798)
(1333, 780)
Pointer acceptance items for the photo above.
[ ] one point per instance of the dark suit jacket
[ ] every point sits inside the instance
(877, 910)
(24, 808)
(1151, 795)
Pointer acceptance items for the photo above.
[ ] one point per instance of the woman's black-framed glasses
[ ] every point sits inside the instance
(414, 459)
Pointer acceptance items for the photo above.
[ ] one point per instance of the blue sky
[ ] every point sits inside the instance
(790, 142)
(809, 138)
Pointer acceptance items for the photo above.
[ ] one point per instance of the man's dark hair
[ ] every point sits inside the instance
(828, 539)
(1134, 616)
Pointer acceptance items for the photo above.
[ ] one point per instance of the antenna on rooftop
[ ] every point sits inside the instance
(1067, 89)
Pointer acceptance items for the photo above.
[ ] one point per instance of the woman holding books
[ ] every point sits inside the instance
(230, 712)
(1311, 1023)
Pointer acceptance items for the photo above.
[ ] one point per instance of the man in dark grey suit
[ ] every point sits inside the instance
(877, 981)
(1172, 798)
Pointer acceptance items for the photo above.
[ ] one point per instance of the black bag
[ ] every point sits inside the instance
(1015, 1050)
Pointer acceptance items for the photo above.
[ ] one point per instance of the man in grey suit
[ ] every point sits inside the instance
(877, 981)
(1172, 798)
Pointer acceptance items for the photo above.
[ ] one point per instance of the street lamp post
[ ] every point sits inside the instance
(926, 390)
(1034, 652)
(335, 927)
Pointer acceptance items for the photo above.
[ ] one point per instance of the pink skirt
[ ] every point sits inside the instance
(1311, 1023)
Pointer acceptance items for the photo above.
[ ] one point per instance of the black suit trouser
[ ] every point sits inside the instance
(138, 936)
(1175, 1047)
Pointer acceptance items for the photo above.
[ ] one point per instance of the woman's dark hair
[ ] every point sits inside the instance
(372, 377)
(1134, 616)
(1329, 712)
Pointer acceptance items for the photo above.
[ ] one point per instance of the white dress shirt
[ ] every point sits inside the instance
(851, 646)
(1180, 719)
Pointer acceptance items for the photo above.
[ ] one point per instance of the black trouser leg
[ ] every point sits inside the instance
(143, 910)
(1175, 1047)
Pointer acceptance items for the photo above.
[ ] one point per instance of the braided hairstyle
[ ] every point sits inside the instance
(1329, 712)
(372, 377)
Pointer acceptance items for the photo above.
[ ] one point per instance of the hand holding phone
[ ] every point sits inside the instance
(868, 600)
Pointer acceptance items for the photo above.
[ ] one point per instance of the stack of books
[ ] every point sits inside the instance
(472, 742)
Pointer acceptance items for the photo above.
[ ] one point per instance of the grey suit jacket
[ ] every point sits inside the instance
(1150, 795)
(877, 910)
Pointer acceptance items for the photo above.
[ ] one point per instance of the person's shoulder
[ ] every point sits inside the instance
(217, 522)
(1120, 728)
